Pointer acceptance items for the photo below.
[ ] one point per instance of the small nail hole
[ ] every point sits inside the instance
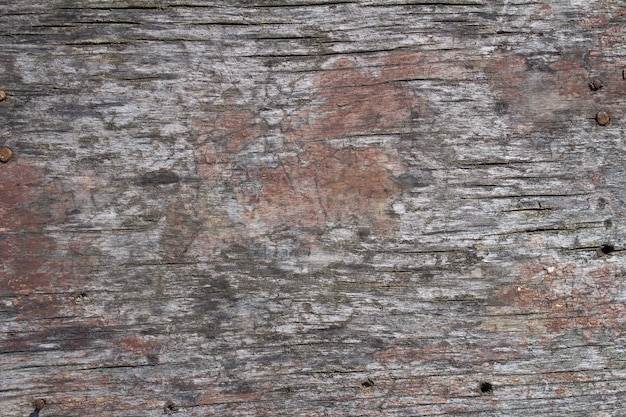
(607, 249)
(81, 298)
(486, 387)
(595, 85)
(39, 405)
(170, 408)
(368, 383)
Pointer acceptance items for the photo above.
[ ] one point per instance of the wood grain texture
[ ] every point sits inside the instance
(313, 208)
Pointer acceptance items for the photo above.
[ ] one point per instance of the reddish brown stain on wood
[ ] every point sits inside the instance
(138, 345)
(316, 183)
(536, 91)
(569, 76)
(324, 184)
(570, 296)
(236, 128)
(221, 135)
(543, 11)
(29, 267)
(38, 279)
(369, 96)
(321, 185)
(354, 101)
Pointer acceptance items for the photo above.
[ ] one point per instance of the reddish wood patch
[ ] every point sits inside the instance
(570, 296)
(32, 271)
(38, 278)
(315, 183)
(326, 185)
(355, 101)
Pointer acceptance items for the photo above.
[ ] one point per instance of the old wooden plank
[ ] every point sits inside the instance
(312, 208)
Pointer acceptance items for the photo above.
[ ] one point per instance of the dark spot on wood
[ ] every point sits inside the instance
(486, 387)
(271, 271)
(539, 63)
(170, 408)
(368, 383)
(413, 180)
(595, 85)
(608, 224)
(607, 248)
(81, 298)
(376, 343)
(243, 388)
(160, 177)
(501, 107)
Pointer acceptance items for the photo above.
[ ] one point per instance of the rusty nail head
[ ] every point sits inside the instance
(603, 118)
(40, 403)
(595, 84)
(5, 154)
(3, 95)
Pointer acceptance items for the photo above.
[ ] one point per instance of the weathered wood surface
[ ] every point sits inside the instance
(313, 208)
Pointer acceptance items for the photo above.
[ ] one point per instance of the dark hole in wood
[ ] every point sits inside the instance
(595, 85)
(368, 383)
(170, 408)
(606, 249)
(39, 404)
(486, 387)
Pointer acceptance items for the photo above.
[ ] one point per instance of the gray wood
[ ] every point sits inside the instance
(312, 208)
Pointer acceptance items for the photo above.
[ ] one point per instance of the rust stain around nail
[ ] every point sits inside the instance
(3, 95)
(603, 118)
(5, 154)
